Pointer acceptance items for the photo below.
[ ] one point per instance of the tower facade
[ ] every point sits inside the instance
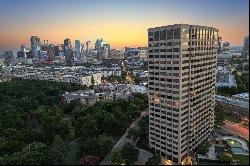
(35, 47)
(78, 49)
(246, 47)
(182, 66)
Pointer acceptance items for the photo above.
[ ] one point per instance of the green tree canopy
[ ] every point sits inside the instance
(203, 148)
(129, 153)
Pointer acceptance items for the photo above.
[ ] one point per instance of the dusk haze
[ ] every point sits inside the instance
(119, 22)
(124, 82)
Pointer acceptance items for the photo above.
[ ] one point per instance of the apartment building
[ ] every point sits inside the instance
(181, 88)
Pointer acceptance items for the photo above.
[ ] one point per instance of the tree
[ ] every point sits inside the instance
(32, 154)
(219, 118)
(137, 80)
(123, 74)
(143, 124)
(155, 160)
(92, 80)
(129, 153)
(225, 157)
(116, 157)
(89, 146)
(86, 127)
(133, 134)
(56, 153)
(203, 148)
(104, 144)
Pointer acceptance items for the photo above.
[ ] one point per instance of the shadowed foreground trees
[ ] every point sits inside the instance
(31, 115)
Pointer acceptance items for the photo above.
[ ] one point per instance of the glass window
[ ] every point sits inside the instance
(169, 44)
(170, 34)
(150, 33)
(177, 33)
(156, 36)
(163, 35)
(185, 33)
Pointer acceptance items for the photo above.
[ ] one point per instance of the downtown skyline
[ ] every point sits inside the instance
(120, 23)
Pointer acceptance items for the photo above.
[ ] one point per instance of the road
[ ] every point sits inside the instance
(236, 129)
(123, 140)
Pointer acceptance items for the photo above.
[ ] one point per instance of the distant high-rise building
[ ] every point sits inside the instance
(106, 51)
(69, 57)
(22, 53)
(51, 52)
(8, 56)
(219, 45)
(132, 56)
(23, 48)
(181, 83)
(246, 47)
(58, 49)
(99, 43)
(68, 53)
(78, 49)
(35, 47)
(67, 43)
(225, 47)
(103, 49)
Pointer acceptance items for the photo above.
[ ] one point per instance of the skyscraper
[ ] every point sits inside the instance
(225, 47)
(219, 45)
(68, 53)
(181, 65)
(78, 49)
(35, 47)
(246, 47)
(67, 43)
(106, 51)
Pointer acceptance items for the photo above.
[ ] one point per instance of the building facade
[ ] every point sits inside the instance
(78, 49)
(35, 47)
(223, 59)
(181, 88)
(246, 47)
(67, 43)
(219, 45)
(132, 56)
(226, 46)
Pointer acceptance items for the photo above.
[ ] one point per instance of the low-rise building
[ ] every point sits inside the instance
(224, 78)
(241, 97)
(233, 106)
(132, 57)
(70, 79)
(223, 59)
(90, 97)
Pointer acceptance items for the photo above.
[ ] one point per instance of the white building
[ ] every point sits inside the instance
(70, 79)
(223, 59)
(90, 97)
(86, 79)
(181, 88)
(224, 77)
(108, 72)
(139, 89)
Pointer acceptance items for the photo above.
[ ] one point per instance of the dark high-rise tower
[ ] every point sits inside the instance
(35, 47)
(246, 47)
